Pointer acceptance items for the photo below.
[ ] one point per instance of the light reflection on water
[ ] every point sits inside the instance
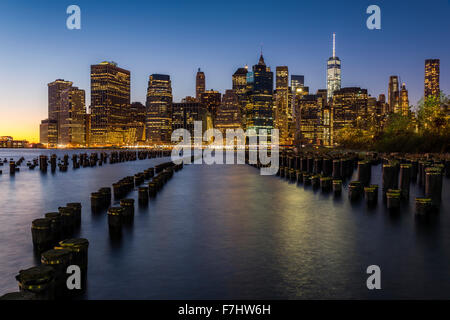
(226, 232)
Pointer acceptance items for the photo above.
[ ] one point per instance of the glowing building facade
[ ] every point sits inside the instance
(159, 109)
(72, 118)
(404, 101)
(259, 108)
(394, 95)
(110, 102)
(431, 78)
(229, 112)
(200, 84)
(333, 72)
(349, 108)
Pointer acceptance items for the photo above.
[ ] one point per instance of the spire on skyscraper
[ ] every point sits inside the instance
(334, 45)
(261, 58)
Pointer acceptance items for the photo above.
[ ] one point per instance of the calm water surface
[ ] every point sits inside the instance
(225, 232)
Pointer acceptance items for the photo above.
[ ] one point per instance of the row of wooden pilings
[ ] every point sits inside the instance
(156, 178)
(13, 165)
(84, 160)
(428, 172)
(52, 240)
(329, 171)
(52, 234)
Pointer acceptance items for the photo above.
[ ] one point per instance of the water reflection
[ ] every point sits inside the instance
(227, 232)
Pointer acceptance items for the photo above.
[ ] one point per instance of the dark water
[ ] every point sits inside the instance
(226, 232)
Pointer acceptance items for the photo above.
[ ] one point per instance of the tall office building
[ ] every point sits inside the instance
(110, 102)
(349, 108)
(200, 84)
(211, 99)
(333, 72)
(432, 78)
(282, 109)
(138, 113)
(159, 109)
(393, 94)
(239, 81)
(309, 119)
(404, 101)
(55, 89)
(72, 117)
(229, 112)
(48, 133)
(297, 81)
(259, 109)
(186, 113)
(282, 78)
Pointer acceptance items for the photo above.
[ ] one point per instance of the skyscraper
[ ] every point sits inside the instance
(297, 81)
(229, 112)
(282, 77)
(72, 117)
(239, 81)
(282, 109)
(138, 113)
(48, 133)
(333, 72)
(110, 102)
(393, 94)
(200, 84)
(159, 109)
(404, 101)
(211, 99)
(432, 78)
(55, 89)
(259, 109)
(349, 108)
(186, 113)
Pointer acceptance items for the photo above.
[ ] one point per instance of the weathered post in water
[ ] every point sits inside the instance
(38, 281)
(59, 260)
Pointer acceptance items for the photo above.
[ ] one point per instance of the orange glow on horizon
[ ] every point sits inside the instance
(23, 129)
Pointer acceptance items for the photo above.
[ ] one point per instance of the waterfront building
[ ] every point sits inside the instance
(110, 104)
(259, 108)
(432, 78)
(211, 99)
(349, 108)
(333, 72)
(87, 128)
(309, 119)
(200, 84)
(55, 89)
(229, 113)
(48, 133)
(138, 113)
(393, 95)
(239, 85)
(283, 115)
(186, 113)
(72, 115)
(404, 101)
(159, 109)
(9, 142)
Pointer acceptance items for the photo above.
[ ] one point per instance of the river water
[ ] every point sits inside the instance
(226, 232)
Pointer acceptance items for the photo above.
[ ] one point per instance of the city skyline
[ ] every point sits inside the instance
(363, 52)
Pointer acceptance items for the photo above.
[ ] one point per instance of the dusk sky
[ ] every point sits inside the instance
(177, 37)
